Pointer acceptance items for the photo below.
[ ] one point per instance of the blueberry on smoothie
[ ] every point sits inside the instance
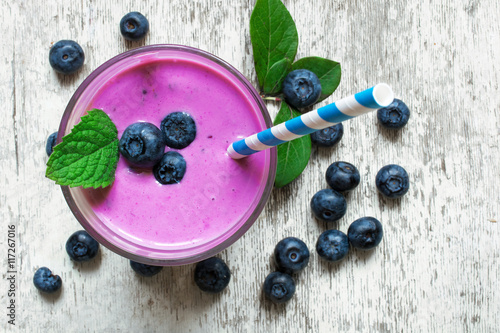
(392, 181)
(279, 287)
(328, 205)
(144, 269)
(212, 275)
(328, 137)
(365, 233)
(134, 26)
(142, 144)
(170, 169)
(332, 245)
(342, 176)
(51, 142)
(45, 281)
(301, 88)
(80, 246)
(394, 116)
(291, 255)
(179, 130)
(66, 56)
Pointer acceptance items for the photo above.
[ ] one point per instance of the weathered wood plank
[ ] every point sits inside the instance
(437, 267)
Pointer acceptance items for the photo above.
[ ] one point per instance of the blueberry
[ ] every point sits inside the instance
(279, 287)
(142, 144)
(66, 56)
(179, 130)
(394, 116)
(365, 233)
(301, 88)
(328, 137)
(145, 270)
(328, 205)
(392, 181)
(291, 255)
(170, 169)
(342, 176)
(45, 281)
(212, 275)
(134, 26)
(51, 142)
(332, 245)
(81, 246)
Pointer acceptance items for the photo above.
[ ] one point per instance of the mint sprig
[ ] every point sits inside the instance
(294, 155)
(87, 156)
(274, 42)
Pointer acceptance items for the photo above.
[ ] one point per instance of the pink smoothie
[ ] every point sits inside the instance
(217, 194)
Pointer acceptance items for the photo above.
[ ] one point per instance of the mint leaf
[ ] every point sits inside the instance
(294, 155)
(273, 34)
(275, 77)
(328, 72)
(88, 155)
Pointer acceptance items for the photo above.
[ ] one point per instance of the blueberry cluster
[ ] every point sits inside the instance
(291, 256)
(143, 145)
(329, 205)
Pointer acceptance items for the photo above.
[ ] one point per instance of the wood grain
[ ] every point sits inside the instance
(437, 267)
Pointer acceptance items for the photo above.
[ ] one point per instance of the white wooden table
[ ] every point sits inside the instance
(437, 267)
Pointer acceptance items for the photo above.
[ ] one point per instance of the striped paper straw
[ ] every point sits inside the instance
(363, 102)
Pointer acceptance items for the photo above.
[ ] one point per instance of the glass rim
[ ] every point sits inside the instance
(242, 229)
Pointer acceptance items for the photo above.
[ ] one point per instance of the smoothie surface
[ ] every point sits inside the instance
(217, 193)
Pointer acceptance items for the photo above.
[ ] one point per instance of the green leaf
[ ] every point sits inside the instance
(294, 155)
(88, 155)
(275, 77)
(273, 34)
(328, 72)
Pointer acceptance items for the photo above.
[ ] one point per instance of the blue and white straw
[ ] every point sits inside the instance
(363, 102)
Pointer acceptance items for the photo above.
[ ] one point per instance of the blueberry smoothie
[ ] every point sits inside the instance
(218, 198)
